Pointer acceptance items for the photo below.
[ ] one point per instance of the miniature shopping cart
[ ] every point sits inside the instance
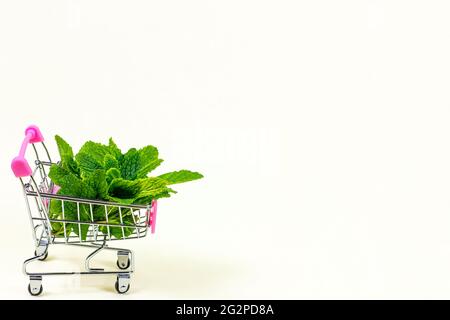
(40, 194)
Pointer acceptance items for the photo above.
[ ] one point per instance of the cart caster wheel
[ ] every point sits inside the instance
(35, 290)
(122, 283)
(123, 264)
(123, 260)
(123, 288)
(42, 258)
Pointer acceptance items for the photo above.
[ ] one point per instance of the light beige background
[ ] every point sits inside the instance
(322, 128)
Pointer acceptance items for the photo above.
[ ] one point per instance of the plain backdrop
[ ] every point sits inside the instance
(321, 128)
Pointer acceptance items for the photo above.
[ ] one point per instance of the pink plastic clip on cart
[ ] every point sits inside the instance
(74, 221)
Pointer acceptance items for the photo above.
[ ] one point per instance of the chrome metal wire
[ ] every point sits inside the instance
(77, 216)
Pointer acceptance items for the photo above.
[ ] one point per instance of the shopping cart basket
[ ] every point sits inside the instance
(40, 194)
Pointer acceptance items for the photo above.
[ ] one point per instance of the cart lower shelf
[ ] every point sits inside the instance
(125, 265)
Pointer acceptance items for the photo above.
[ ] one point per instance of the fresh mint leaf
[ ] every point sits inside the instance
(97, 181)
(130, 164)
(92, 155)
(65, 150)
(128, 191)
(148, 161)
(180, 176)
(114, 150)
(66, 154)
(112, 174)
(138, 163)
(88, 163)
(110, 162)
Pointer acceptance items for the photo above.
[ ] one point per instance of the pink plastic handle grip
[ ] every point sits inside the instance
(152, 216)
(19, 164)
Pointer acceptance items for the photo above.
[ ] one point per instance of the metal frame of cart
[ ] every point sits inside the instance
(40, 194)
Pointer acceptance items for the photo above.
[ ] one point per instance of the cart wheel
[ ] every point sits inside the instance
(123, 288)
(123, 259)
(35, 291)
(42, 258)
(123, 264)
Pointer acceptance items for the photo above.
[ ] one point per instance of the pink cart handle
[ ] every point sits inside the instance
(152, 216)
(20, 165)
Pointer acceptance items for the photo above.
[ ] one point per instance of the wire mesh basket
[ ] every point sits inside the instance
(71, 219)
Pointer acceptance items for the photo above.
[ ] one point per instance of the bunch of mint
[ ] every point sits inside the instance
(103, 172)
